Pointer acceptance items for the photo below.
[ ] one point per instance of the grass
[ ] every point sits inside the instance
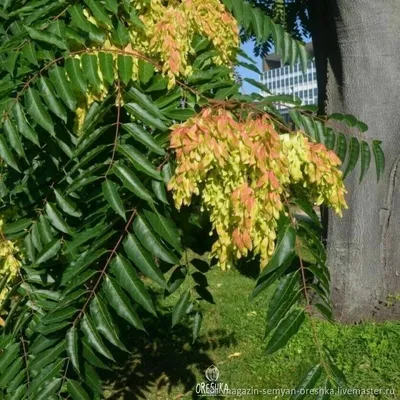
(165, 365)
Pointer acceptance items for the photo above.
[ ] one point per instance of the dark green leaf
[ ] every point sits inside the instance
(180, 307)
(13, 137)
(128, 279)
(49, 251)
(132, 182)
(125, 68)
(120, 302)
(144, 137)
(6, 155)
(308, 382)
(74, 71)
(63, 87)
(365, 159)
(67, 205)
(47, 92)
(150, 241)
(72, 347)
(286, 328)
(110, 192)
(354, 153)
(104, 322)
(146, 71)
(142, 114)
(90, 70)
(106, 62)
(56, 219)
(76, 391)
(37, 111)
(23, 126)
(93, 337)
(47, 37)
(379, 158)
(143, 260)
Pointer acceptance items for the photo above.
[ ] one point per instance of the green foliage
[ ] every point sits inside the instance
(88, 206)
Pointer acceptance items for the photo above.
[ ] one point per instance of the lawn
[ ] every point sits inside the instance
(165, 365)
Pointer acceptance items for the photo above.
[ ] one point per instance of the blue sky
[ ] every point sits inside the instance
(245, 73)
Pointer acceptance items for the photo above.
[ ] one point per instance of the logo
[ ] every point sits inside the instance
(212, 387)
(212, 373)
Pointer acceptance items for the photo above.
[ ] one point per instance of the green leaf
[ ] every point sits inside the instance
(286, 328)
(120, 36)
(325, 391)
(29, 52)
(198, 318)
(47, 92)
(76, 390)
(49, 251)
(63, 87)
(139, 161)
(47, 37)
(180, 307)
(159, 190)
(150, 241)
(59, 315)
(308, 382)
(82, 22)
(379, 158)
(112, 5)
(72, 347)
(37, 111)
(9, 355)
(110, 192)
(11, 372)
(365, 159)
(106, 62)
(143, 260)
(93, 337)
(144, 137)
(180, 114)
(46, 234)
(90, 70)
(128, 279)
(303, 56)
(341, 146)
(120, 302)
(282, 300)
(17, 226)
(6, 155)
(257, 19)
(132, 182)
(23, 126)
(354, 153)
(13, 137)
(104, 322)
(75, 75)
(99, 12)
(165, 227)
(46, 357)
(67, 205)
(49, 389)
(142, 114)
(125, 68)
(56, 220)
(146, 71)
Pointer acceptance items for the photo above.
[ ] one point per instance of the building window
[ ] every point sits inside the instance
(287, 81)
(295, 67)
(277, 72)
(310, 93)
(301, 79)
(306, 94)
(291, 81)
(301, 94)
(310, 77)
(295, 80)
(273, 73)
(287, 69)
(282, 83)
(274, 85)
(315, 92)
(278, 86)
(315, 76)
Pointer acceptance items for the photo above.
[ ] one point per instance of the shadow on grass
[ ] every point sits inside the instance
(163, 359)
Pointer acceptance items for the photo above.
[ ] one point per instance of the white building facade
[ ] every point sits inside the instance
(284, 79)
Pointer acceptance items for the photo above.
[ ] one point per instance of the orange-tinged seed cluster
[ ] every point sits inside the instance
(243, 171)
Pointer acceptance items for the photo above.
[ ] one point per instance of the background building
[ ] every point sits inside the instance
(284, 79)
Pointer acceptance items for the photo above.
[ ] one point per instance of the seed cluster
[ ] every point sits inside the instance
(244, 172)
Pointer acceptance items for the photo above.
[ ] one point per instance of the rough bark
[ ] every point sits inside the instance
(358, 59)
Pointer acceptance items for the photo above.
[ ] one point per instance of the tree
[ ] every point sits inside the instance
(351, 58)
(103, 105)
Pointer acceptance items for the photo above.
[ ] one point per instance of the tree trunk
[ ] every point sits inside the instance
(357, 44)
